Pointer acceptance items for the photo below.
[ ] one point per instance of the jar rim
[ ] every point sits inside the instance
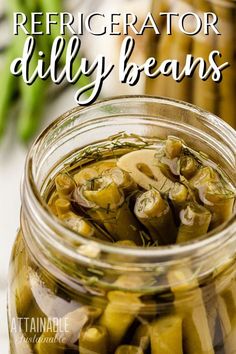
(162, 253)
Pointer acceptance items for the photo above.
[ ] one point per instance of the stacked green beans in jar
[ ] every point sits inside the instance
(147, 197)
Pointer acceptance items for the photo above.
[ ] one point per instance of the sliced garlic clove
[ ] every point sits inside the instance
(130, 163)
(73, 322)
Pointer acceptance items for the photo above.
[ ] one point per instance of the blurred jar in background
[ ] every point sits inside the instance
(218, 98)
(215, 97)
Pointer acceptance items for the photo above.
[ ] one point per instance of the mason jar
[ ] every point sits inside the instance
(61, 284)
(215, 97)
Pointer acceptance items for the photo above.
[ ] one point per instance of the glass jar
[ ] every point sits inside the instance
(215, 97)
(68, 294)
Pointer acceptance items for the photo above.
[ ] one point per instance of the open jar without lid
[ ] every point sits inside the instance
(109, 299)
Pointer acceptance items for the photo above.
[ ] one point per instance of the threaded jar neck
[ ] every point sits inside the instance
(52, 244)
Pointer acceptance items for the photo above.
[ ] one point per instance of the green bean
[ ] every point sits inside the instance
(23, 293)
(179, 195)
(218, 97)
(52, 203)
(196, 331)
(226, 304)
(153, 42)
(210, 301)
(94, 339)
(32, 96)
(176, 47)
(106, 165)
(62, 206)
(52, 6)
(188, 166)
(180, 46)
(202, 177)
(29, 5)
(20, 6)
(26, 305)
(228, 328)
(9, 85)
(78, 224)
(225, 289)
(9, 82)
(21, 283)
(104, 192)
(219, 201)
(124, 225)
(173, 147)
(24, 285)
(128, 349)
(73, 323)
(205, 93)
(64, 185)
(31, 110)
(56, 6)
(141, 336)
(160, 6)
(155, 214)
(229, 296)
(95, 170)
(84, 175)
(32, 103)
(106, 204)
(195, 221)
(212, 192)
(225, 43)
(166, 335)
(122, 179)
(159, 86)
(169, 161)
(126, 243)
(119, 315)
(133, 282)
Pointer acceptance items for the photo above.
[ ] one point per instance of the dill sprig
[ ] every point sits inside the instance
(145, 237)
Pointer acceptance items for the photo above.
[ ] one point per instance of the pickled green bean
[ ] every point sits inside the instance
(154, 212)
(94, 339)
(196, 332)
(119, 315)
(194, 222)
(166, 335)
(106, 205)
(128, 349)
